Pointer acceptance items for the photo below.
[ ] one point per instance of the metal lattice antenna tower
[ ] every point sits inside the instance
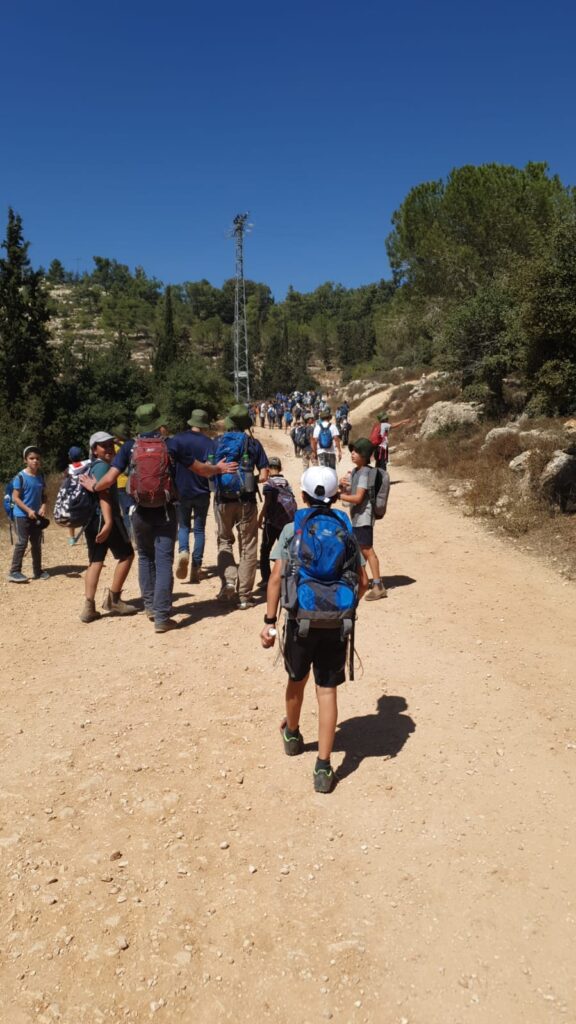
(241, 370)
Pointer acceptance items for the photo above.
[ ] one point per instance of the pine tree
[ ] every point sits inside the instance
(25, 356)
(27, 364)
(167, 347)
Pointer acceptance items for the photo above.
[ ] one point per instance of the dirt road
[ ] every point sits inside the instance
(161, 859)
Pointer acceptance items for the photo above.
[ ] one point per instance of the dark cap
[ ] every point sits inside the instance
(363, 446)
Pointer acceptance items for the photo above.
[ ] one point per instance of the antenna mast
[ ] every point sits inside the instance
(241, 374)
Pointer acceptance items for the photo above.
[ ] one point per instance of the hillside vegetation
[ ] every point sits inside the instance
(483, 288)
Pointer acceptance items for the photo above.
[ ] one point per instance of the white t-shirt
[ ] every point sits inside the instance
(333, 430)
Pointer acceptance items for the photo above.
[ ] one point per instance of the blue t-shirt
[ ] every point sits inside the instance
(188, 447)
(31, 489)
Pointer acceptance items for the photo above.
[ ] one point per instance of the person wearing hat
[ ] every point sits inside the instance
(106, 532)
(323, 650)
(188, 447)
(154, 529)
(29, 511)
(238, 512)
(357, 492)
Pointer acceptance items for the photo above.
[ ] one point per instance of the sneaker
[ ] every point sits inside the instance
(246, 603)
(17, 577)
(150, 615)
(89, 613)
(117, 607)
(376, 593)
(228, 592)
(293, 745)
(42, 575)
(182, 567)
(165, 626)
(323, 780)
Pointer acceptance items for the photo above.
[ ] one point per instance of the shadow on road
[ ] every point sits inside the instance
(391, 582)
(379, 735)
(73, 571)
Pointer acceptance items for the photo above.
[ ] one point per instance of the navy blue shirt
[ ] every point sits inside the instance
(186, 448)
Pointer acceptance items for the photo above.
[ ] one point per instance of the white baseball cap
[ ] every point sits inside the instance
(100, 438)
(320, 482)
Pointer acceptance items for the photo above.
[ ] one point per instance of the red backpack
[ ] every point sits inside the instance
(150, 481)
(376, 434)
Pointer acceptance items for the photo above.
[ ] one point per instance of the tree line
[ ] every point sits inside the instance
(483, 284)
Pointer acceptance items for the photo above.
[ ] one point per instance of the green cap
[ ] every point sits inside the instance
(121, 431)
(199, 418)
(238, 418)
(149, 417)
(363, 446)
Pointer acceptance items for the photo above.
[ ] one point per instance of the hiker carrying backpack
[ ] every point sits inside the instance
(318, 577)
(150, 480)
(281, 505)
(233, 447)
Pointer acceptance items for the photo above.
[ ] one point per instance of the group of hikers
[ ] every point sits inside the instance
(153, 490)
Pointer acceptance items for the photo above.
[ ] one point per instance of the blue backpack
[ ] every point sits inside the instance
(320, 583)
(325, 438)
(7, 501)
(233, 447)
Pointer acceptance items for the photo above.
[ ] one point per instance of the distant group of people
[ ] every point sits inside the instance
(152, 491)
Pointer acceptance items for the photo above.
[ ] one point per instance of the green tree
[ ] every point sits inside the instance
(167, 346)
(26, 360)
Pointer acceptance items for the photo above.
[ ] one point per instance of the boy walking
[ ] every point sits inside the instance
(29, 501)
(278, 510)
(358, 493)
(311, 642)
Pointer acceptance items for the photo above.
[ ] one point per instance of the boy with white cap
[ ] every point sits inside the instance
(323, 649)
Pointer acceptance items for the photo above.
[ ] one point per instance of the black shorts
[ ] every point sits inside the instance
(117, 542)
(364, 535)
(322, 649)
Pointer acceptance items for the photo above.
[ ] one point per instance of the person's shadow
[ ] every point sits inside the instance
(380, 735)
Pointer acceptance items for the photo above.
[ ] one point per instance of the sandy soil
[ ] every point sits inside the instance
(162, 859)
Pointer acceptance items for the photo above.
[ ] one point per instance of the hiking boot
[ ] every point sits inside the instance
(228, 592)
(165, 626)
(323, 780)
(195, 574)
(182, 567)
(17, 577)
(115, 606)
(42, 575)
(293, 745)
(89, 613)
(376, 592)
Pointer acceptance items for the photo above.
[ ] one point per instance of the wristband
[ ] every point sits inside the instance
(270, 621)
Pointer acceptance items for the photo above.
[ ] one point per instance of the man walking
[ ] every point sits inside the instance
(235, 503)
(193, 491)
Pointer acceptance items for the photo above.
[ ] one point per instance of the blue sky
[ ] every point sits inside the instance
(138, 131)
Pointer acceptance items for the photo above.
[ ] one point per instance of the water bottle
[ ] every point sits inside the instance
(212, 479)
(247, 474)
